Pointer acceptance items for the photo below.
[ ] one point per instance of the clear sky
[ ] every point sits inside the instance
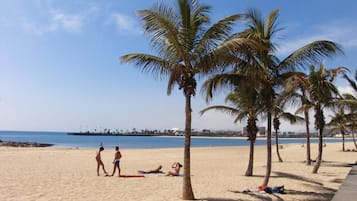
(60, 68)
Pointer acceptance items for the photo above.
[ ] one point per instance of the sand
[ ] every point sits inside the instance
(217, 174)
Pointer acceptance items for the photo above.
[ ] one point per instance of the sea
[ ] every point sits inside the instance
(62, 139)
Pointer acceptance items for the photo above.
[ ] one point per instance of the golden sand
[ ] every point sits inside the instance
(217, 174)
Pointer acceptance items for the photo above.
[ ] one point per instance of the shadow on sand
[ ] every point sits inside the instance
(220, 199)
(337, 164)
(315, 191)
(296, 177)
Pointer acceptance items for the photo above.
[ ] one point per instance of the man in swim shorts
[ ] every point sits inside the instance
(116, 162)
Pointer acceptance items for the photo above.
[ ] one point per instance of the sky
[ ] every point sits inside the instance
(60, 68)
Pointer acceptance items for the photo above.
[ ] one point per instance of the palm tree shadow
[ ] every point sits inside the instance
(337, 164)
(308, 195)
(311, 195)
(221, 199)
(297, 177)
(261, 196)
(257, 176)
(314, 196)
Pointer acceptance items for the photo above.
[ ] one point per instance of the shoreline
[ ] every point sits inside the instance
(259, 142)
(213, 136)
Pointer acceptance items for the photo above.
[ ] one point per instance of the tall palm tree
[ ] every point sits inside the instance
(339, 122)
(243, 103)
(188, 46)
(323, 93)
(349, 119)
(352, 115)
(271, 71)
(294, 85)
(278, 114)
(352, 106)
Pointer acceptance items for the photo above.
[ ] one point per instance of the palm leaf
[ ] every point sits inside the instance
(352, 83)
(310, 54)
(150, 64)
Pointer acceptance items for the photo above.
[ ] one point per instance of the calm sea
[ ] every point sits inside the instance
(61, 139)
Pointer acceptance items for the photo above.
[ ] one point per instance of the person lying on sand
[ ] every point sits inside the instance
(267, 189)
(154, 171)
(176, 169)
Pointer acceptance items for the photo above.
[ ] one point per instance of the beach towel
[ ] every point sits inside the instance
(132, 176)
(143, 172)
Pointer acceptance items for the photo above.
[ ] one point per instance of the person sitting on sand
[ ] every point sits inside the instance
(116, 162)
(176, 166)
(99, 161)
(154, 171)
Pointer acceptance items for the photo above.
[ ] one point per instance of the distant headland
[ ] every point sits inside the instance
(23, 144)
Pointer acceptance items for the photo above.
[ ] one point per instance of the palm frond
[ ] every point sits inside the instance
(221, 108)
(220, 81)
(336, 71)
(310, 54)
(291, 118)
(351, 82)
(217, 33)
(226, 53)
(157, 66)
(271, 27)
(162, 23)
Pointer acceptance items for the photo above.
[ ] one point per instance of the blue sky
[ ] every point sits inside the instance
(60, 68)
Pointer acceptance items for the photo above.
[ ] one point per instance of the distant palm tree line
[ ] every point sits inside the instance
(260, 84)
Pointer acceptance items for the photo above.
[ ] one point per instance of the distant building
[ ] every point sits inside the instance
(176, 131)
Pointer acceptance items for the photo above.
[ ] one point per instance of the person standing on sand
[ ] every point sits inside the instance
(99, 161)
(116, 162)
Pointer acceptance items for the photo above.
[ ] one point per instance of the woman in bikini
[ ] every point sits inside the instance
(99, 161)
(176, 166)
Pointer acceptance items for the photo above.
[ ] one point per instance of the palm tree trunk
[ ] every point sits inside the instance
(343, 140)
(354, 139)
(353, 136)
(249, 171)
(308, 150)
(187, 193)
(277, 145)
(268, 168)
(319, 156)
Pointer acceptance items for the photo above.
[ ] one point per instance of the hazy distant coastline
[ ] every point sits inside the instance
(23, 144)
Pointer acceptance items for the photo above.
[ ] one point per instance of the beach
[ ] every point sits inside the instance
(54, 173)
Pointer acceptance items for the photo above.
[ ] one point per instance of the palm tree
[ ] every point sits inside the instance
(338, 122)
(271, 71)
(296, 83)
(352, 106)
(188, 46)
(323, 92)
(243, 104)
(279, 113)
(352, 115)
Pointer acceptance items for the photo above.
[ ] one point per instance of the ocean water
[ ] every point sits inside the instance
(61, 139)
